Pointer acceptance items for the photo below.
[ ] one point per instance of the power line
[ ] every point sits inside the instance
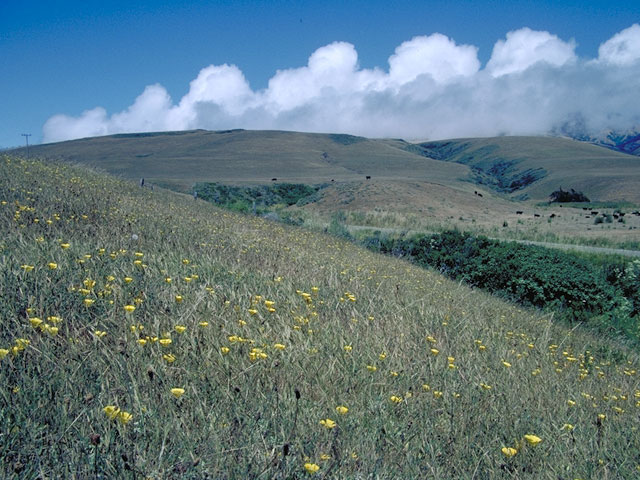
(26, 136)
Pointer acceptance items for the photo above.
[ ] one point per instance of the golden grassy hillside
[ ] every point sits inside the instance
(148, 335)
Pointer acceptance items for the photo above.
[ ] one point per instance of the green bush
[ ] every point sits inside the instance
(233, 197)
(527, 274)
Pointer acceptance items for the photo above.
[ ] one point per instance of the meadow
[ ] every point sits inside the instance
(146, 334)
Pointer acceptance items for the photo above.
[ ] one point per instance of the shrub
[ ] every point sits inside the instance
(528, 274)
(562, 196)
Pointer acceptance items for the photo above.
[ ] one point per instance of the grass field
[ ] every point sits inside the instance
(406, 190)
(148, 335)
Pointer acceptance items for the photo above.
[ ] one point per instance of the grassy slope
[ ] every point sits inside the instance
(600, 173)
(514, 372)
(250, 156)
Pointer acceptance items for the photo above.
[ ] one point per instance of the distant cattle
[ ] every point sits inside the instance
(519, 212)
(553, 215)
(368, 177)
(274, 179)
(479, 194)
(594, 213)
(536, 215)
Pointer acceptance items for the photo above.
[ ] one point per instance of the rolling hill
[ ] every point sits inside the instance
(533, 167)
(515, 167)
(251, 157)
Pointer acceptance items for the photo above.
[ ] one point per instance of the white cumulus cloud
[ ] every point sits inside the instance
(436, 56)
(623, 48)
(431, 88)
(525, 47)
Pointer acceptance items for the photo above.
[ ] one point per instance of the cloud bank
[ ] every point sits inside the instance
(534, 83)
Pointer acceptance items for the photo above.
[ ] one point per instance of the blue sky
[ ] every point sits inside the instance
(65, 58)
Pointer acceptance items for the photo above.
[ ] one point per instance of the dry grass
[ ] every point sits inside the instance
(437, 379)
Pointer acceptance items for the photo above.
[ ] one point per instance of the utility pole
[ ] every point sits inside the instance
(26, 136)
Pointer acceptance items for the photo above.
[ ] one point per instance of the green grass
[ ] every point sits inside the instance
(258, 415)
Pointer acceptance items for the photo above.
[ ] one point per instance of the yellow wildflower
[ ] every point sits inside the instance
(342, 410)
(311, 467)
(111, 411)
(3, 353)
(177, 392)
(129, 308)
(327, 422)
(178, 298)
(124, 417)
(396, 399)
(532, 439)
(35, 322)
(180, 328)
(169, 357)
(279, 346)
(165, 342)
(52, 265)
(347, 348)
(509, 452)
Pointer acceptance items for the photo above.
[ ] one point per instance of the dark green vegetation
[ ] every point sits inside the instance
(255, 199)
(523, 167)
(563, 196)
(605, 293)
